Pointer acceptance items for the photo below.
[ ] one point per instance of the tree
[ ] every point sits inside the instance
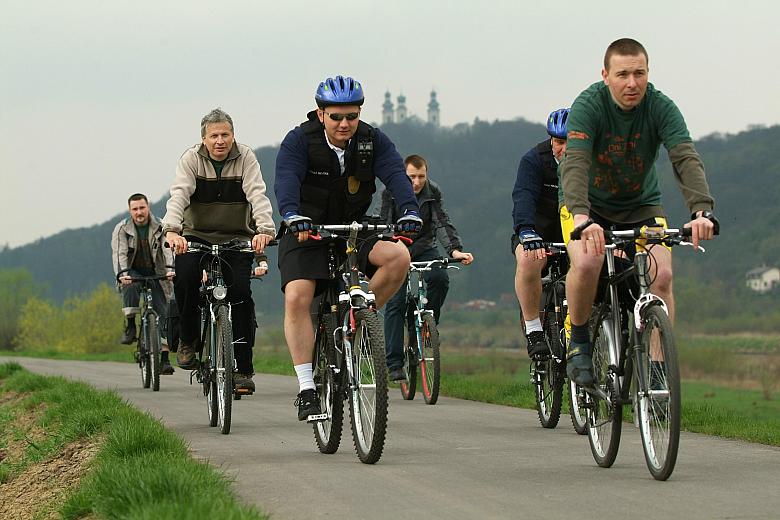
(16, 287)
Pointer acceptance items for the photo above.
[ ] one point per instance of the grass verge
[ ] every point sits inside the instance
(141, 469)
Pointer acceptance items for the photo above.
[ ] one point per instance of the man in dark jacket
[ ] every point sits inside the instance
(325, 174)
(436, 223)
(535, 216)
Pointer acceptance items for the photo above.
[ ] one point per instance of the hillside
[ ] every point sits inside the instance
(475, 165)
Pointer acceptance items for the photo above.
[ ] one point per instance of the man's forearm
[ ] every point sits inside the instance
(574, 179)
(689, 171)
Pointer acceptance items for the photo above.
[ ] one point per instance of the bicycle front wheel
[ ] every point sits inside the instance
(577, 412)
(153, 343)
(409, 387)
(658, 404)
(548, 376)
(327, 378)
(224, 368)
(430, 364)
(604, 416)
(143, 357)
(368, 391)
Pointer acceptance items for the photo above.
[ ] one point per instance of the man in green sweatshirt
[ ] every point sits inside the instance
(615, 129)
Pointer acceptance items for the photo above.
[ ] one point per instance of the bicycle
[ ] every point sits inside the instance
(349, 351)
(548, 373)
(632, 338)
(150, 340)
(216, 360)
(421, 345)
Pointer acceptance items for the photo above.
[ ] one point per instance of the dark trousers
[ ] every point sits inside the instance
(437, 284)
(131, 301)
(236, 269)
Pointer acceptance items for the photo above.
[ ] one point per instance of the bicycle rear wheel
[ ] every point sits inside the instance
(430, 364)
(143, 357)
(327, 378)
(409, 387)
(224, 369)
(547, 375)
(368, 391)
(153, 343)
(658, 404)
(604, 417)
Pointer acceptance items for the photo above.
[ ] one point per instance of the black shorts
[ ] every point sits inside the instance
(309, 260)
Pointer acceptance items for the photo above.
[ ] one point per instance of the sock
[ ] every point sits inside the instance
(164, 356)
(305, 378)
(579, 333)
(533, 326)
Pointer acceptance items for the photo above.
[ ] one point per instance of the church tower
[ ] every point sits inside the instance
(400, 113)
(433, 110)
(387, 110)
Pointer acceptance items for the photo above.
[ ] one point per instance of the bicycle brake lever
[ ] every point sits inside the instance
(406, 240)
(684, 243)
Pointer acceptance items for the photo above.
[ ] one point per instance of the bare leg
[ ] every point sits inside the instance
(298, 329)
(528, 283)
(392, 261)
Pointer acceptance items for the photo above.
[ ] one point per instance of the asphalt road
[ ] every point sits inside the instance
(455, 460)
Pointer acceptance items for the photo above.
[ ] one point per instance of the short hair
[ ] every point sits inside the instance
(624, 47)
(215, 116)
(137, 196)
(418, 161)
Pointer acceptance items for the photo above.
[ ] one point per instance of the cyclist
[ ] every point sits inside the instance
(436, 222)
(325, 174)
(136, 244)
(536, 220)
(615, 129)
(218, 195)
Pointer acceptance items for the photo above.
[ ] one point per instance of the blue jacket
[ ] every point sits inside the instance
(292, 164)
(535, 195)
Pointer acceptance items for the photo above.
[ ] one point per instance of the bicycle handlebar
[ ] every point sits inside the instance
(140, 278)
(437, 263)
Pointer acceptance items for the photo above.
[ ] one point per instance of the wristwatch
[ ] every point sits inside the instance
(705, 213)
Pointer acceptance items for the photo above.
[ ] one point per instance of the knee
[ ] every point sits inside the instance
(663, 281)
(296, 301)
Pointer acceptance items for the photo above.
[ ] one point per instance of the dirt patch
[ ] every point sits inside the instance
(41, 486)
(23, 432)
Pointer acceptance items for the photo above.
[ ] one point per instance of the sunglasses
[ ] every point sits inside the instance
(338, 117)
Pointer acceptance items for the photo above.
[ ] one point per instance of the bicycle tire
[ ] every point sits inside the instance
(207, 379)
(328, 433)
(368, 391)
(153, 341)
(577, 412)
(548, 378)
(659, 408)
(143, 358)
(605, 418)
(409, 387)
(224, 369)
(430, 364)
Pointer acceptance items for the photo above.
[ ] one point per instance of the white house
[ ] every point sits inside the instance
(763, 279)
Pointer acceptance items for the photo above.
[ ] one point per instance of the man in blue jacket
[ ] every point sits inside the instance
(325, 174)
(535, 215)
(436, 224)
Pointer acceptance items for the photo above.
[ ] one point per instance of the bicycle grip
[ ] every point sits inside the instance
(576, 233)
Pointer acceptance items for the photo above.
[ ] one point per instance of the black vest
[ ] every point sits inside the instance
(327, 196)
(547, 205)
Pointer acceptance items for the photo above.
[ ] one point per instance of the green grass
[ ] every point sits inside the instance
(121, 355)
(141, 471)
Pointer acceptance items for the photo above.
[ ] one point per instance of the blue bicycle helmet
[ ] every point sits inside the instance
(339, 91)
(556, 123)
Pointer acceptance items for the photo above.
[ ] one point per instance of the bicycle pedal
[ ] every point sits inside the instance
(317, 418)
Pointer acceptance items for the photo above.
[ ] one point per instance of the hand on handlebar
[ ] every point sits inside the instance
(260, 241)
(410, 223)
(591, 235)
(465, 258)
(298, 224)
(702, 228)
(177, 242)
(126, 280)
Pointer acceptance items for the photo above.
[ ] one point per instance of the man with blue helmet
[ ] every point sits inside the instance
(535, 215)
(325, 174)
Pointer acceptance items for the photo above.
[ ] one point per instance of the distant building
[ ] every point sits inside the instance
(400, 113)
(763, 279)
(388, 114)
(433, 110)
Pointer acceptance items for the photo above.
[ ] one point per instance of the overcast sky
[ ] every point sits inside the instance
(98, 99)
